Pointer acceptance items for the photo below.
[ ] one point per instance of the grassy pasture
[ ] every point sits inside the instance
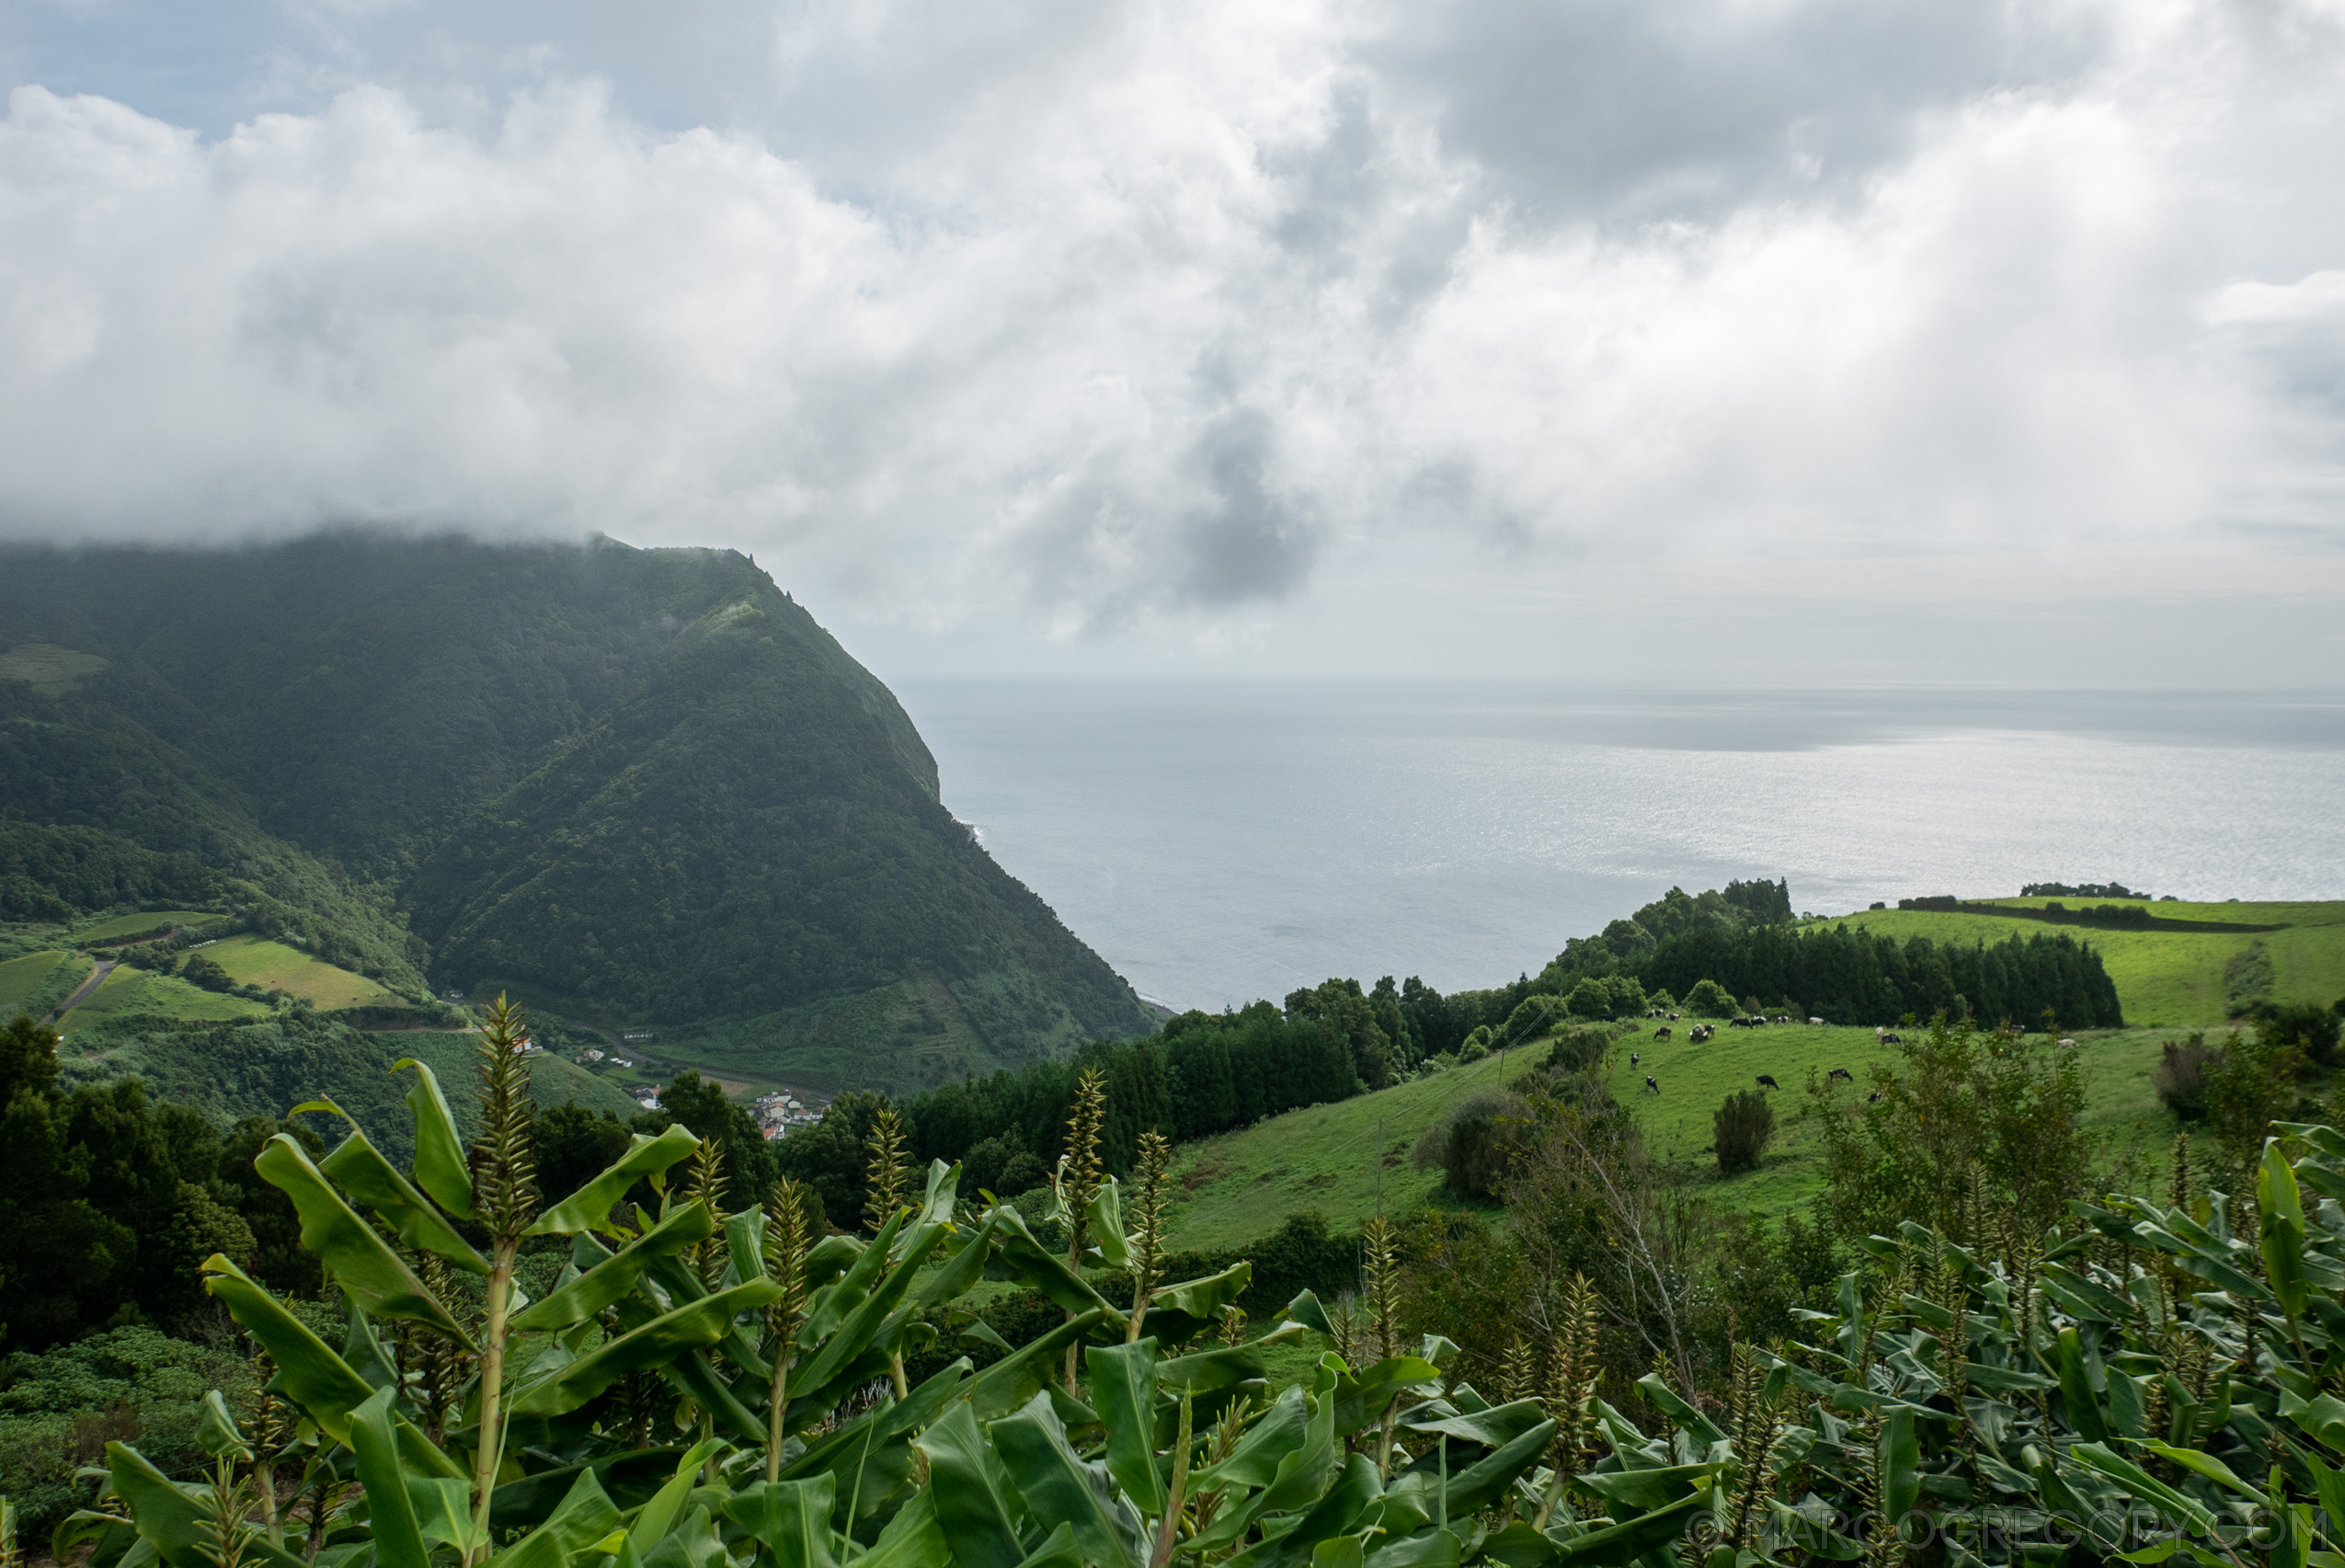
(123, 928)
(50, 670)
(2169, 978)
(128, 992)
(272, 965)
(1235, 1188)
(24, 979)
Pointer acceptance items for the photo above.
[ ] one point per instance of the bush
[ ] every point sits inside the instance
(1710, 1000)
(202, 972)
(1742, 1126)
(58, 1410)
(1606, 996)
(1476, 1144)
(1662, 999)
(1752, 1007)
(2306, 1025)
(1534, 1017)
(2179, 1076)
(1477, 1044)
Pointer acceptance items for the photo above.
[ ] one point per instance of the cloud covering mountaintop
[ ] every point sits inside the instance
(1178, 314)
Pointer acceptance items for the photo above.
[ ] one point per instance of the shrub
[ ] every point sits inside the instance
(202, 972)
(1742, 1126)
(1710, 1000)
(1752, 1006)
(2179, 1076)
(2306, 1025)
(1477, 1044)
(1535, 1016)
(1475, 1144)
(1606, 996)
(1662, 999)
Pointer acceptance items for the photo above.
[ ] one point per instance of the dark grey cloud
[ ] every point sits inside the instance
(1628, 110)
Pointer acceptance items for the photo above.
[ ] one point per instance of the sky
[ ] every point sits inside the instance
(1710, 341)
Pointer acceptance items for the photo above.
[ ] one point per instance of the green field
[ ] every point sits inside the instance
(123, 928)
(2167, 978)
(131, 993)
(40, 979)
(1237, 1187)
(453, 1055)
(272, 965)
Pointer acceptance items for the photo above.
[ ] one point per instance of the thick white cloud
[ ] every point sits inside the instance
(1113, 311)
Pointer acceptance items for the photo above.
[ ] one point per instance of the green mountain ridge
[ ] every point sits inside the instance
(643, 785)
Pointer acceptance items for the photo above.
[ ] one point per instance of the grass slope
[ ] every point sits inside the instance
(137, 994)
(36, 981)
(1235, 1188)
(272, 965)
(2172, 978)
(144, 922)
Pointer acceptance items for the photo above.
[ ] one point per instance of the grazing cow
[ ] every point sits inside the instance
(2068, 1042)
(1893, 1039)
(1766, 1080)
(1879, 1033)
(1873, 1098)
(1840, 1072)
(1651, 1087)
(1662, 1033)
(1634, 1059)
(1815, 1020)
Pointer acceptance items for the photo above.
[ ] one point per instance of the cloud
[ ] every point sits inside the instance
(1107, 314)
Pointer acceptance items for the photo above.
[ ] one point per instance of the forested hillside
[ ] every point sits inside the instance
(642, 786)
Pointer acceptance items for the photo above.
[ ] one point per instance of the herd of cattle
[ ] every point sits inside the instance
(1702, 1032)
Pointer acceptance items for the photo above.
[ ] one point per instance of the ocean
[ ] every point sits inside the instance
(1218, 842)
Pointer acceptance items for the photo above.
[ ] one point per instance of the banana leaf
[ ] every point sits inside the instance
(1901, 1458)
(1632, 1539)
(1226, 1366)
(657, 1517)
(2076, 1388)
(169, 1516)
(1704, 1430)
(1058, 1487)
(863, 1325)
(1017, 1256)
(375, 1277)
(2133, 1478)
(1105, 1214)
(1334, 1514)
(359, 1169)
(828, 1307)
(391, 1513)
(309, 1373)
(2282, 1208)
(440, 1167)
(1361, 1400)
(1122, 1390)
(1255, 1461)
(588, 1208)
(790, 1518)
(615, 1273)
(1482, 1483)
(912, 1538)
(970, 1511)
(688, 1327)
(1493, 1427)
(585, 1517)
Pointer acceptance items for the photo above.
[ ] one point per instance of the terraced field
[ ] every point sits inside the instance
(37, 982)
(126, 928)
(129, 994)
(272, 965)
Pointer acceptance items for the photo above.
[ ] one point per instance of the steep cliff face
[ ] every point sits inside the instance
(644, 784)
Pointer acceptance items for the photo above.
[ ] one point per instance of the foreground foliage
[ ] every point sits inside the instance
(706, 1386)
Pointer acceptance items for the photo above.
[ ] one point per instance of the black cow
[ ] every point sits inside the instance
(1873, 1098)
(1893, 1039)
(1662, 1033)
(1766, 1080)
(1838, 1072)
(1651, 1087)
(1634, 1059)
